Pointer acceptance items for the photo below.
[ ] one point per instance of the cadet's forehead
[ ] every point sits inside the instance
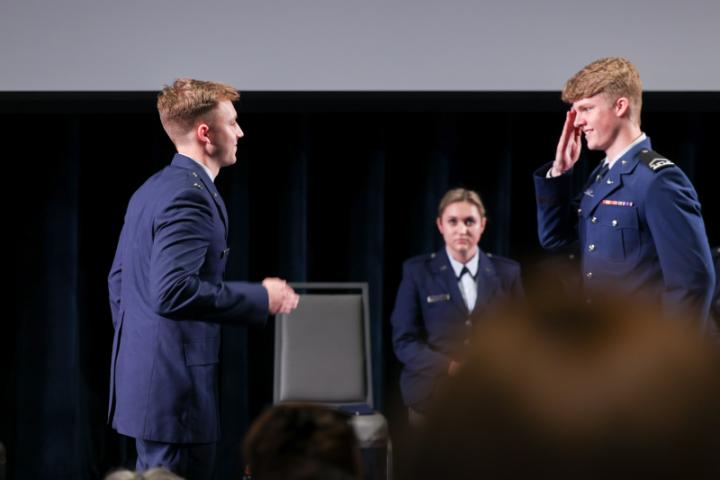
(461, 209)
(587, 101)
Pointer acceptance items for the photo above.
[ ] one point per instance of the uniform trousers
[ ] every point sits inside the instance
(192, 461)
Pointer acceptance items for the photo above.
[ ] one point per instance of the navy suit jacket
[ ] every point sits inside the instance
(168, 299)
(431, 322)
(715, 308)
(639, 229)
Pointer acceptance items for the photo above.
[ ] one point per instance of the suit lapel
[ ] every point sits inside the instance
(488, 282)
(595, 192)
(186, 162)
(445, 276)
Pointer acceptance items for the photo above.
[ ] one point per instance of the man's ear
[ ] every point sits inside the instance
(622, 107)
(202, 133)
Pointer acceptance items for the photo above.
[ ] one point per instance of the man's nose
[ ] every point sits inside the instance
(240, 133)
(579, 121)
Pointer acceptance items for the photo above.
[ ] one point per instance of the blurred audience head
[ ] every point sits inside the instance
(302, 442)
(559, 388)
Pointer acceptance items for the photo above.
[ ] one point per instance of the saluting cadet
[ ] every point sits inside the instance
(441, 294)
(637, 220)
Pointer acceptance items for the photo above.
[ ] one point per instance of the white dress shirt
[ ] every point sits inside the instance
(466, 283)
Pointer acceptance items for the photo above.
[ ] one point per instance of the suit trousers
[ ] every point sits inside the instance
(192, 461)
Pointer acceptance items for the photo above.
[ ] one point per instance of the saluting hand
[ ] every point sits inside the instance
(568, 148)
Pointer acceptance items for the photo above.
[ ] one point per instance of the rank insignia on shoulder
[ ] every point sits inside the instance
(654, 160)
(659, 163)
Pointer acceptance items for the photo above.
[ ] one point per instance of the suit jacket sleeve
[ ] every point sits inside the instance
(556, 209)
(676, 225)
(409, 335)
(182, 286)
(115, 284)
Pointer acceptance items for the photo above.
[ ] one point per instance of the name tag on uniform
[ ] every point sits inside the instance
(618, 203)
(443, 297)
(225, 253)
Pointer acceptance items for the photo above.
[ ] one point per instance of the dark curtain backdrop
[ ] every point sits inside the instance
(328, 187)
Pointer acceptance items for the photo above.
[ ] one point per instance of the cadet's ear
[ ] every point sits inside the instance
(622, 107)
(438, 222)
(202, 133)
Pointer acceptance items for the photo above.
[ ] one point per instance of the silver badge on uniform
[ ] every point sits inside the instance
(443, 297)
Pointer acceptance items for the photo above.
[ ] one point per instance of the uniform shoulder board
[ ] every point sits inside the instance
(654, 160)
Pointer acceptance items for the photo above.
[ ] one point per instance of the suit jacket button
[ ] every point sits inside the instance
(589, 274)
(614, 223)
(593, 219)
(591, 247)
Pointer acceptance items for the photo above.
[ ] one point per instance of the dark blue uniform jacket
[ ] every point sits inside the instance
(431, 323)
(639, 228)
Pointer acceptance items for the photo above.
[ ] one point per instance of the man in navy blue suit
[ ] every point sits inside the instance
(637, 221)
(440, 297)
(167, 294)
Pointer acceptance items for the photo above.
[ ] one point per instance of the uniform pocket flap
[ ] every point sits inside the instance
(204, 352)
(619, 217)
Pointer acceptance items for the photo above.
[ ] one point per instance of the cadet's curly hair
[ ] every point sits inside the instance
(615, 76)
(186, 100)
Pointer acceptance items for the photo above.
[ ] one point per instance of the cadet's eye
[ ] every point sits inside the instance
(452, 221)
(470, 222)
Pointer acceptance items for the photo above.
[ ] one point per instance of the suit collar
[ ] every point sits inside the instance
(486, 279)
(457, 267)
(612, 161)
(443, 272)
(183, 161)
(595, 192)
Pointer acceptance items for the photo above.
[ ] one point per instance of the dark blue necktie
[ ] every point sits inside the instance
(601, 173)
(463, 272)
